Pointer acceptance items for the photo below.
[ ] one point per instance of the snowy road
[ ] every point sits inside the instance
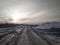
(21, 36)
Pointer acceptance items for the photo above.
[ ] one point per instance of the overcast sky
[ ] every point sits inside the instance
(30, 11)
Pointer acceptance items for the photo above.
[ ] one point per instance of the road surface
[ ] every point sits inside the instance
(21, 36)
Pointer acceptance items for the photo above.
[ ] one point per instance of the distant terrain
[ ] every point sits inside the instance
(28, 34)
(7, 25)
(50, 27)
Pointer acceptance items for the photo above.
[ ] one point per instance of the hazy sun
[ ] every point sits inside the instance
(16, 17)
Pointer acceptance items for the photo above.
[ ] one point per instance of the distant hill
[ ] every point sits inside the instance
(7, 25)
(49, 25)
(52, 24)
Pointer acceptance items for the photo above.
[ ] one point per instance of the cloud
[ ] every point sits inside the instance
(36, 11)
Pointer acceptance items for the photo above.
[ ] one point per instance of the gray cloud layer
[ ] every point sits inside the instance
(36, 10)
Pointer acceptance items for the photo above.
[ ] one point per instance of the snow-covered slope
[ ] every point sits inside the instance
(49, 25)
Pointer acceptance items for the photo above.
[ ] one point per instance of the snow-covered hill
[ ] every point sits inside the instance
(49, 25)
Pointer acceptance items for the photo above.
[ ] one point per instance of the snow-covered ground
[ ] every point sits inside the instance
(48, 25)
(48, 35)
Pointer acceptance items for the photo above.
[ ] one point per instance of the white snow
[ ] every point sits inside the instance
(48, 25)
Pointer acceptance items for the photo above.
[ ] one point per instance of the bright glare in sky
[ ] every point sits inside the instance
(29, 11)
(16, 15)
(16, 18)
